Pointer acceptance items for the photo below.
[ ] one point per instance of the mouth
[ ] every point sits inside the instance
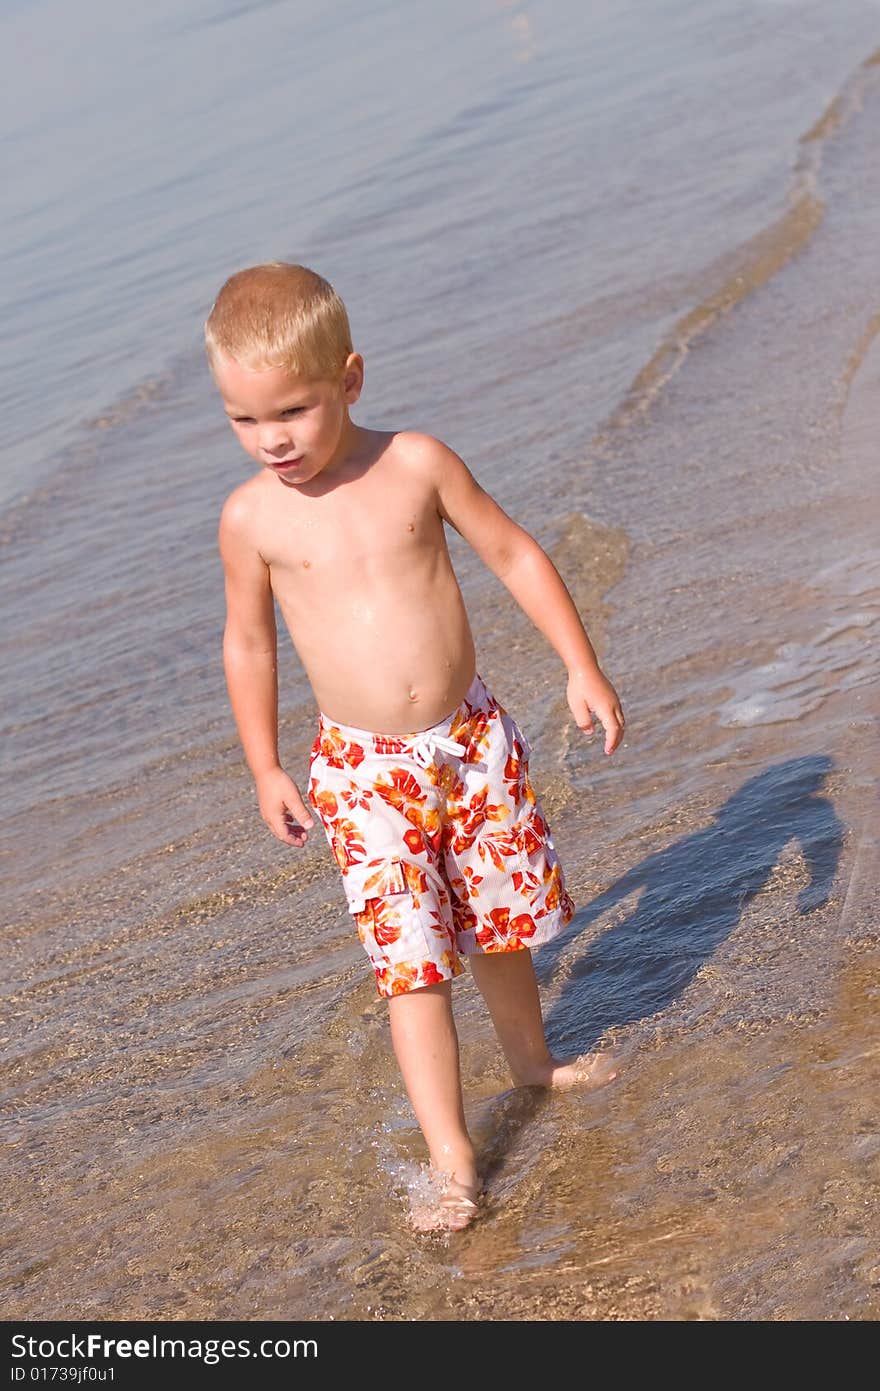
(282, 465)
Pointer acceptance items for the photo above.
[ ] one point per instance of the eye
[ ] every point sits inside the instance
(293, 410)
(241, 419)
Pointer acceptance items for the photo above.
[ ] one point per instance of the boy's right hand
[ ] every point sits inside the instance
(282, 808)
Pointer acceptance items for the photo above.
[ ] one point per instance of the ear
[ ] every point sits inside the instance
(353, 377)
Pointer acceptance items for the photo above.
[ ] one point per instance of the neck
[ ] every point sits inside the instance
(349, 444)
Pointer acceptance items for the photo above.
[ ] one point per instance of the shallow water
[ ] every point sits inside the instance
(646, 258)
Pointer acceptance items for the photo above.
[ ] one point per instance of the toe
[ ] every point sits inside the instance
(594, 1069)
(451, 1211)
(458, 1212)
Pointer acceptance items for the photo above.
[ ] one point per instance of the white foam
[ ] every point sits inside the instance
(838, 657)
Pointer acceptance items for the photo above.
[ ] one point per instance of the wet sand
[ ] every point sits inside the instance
(730, 1172)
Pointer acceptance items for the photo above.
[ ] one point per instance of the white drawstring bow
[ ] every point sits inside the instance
(427, 745)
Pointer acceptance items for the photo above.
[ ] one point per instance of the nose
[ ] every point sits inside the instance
(273, 438)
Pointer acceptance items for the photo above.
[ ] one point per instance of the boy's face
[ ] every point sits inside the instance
(290, 425)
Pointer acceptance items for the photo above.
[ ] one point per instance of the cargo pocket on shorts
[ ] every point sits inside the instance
(404, 952)
(374, 879)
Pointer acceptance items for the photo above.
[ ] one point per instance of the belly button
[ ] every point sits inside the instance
(413, 695)
(411, 526)
(306, 564)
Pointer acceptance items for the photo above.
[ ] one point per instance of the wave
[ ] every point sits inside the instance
(749, 267)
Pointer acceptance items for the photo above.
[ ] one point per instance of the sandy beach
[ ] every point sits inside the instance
(201, 1115)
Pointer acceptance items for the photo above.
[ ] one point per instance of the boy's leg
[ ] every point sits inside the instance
(508, 984)
(426, 1046)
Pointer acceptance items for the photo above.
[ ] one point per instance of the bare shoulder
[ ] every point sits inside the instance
(238, 528)
(421, 450)
(426, 457)
(242, 507)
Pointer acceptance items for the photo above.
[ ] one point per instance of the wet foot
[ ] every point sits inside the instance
(590, 1070)
(454, 1208)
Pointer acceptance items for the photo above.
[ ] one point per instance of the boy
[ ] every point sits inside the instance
(418, 775)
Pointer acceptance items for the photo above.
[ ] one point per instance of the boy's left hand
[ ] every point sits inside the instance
(592, 694)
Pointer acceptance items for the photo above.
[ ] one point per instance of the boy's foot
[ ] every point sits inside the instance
(452, 1211)
(590, 1070)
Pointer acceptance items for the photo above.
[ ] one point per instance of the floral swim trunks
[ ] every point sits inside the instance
(442, 844)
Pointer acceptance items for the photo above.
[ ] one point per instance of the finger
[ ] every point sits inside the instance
(298, 834)
(297, 830)
(288, 831)
(585, 722)
(287, 827)
(614, 732)
(297, 808)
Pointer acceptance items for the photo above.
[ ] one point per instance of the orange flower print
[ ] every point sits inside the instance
(386, 744)
(460, 731)
(348, 844)
(465, 917)
(414, 877)
(414, 840)
(523, 925)
(459, 846)
(456, 882)
(333, 747)
(438, 923)
(499, 918)
(355, 796)
(531, 834)
(524, 881)
(326, 804)
(489, 939)
(461, 841)
(553, 896)
(403, 978)
(503, 933)
(386, 878)
(455, 787)
(387, 926)
(404, 795)
(473, 880)
(516, 778)
(478, 732)
(403, 789)
(514, 763)
(498, 848)
(480, 807)
(338, 751)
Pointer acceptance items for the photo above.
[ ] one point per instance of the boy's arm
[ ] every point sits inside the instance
(533, 580)
(250, 662)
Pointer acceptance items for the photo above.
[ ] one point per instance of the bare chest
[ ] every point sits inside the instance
(357, 536)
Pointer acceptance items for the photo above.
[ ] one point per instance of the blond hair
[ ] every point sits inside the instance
(280, 315)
